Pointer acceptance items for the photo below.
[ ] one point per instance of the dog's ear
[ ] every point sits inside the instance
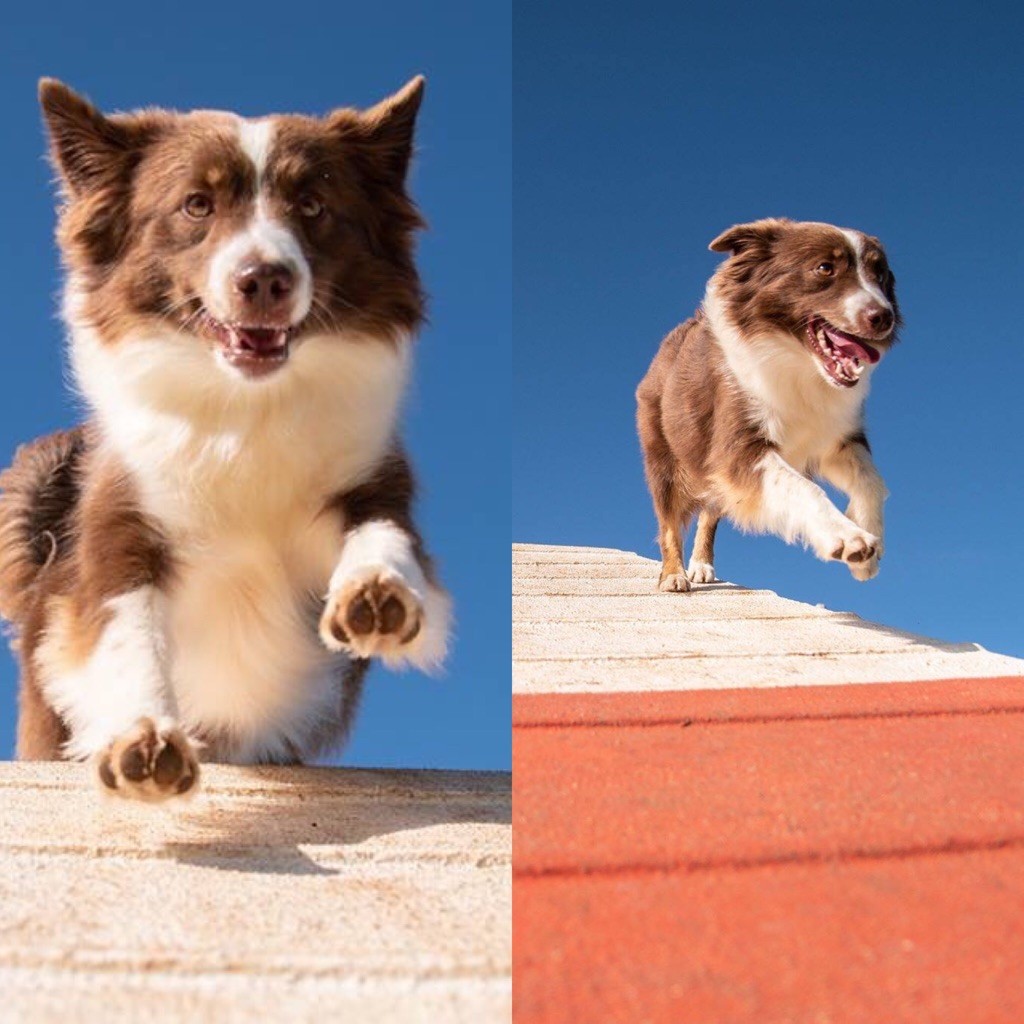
(759, 234)
(88, 149)
(386, 128)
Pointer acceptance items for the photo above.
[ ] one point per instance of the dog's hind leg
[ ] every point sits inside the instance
(702, 562)
(674, 509)
(672, 504)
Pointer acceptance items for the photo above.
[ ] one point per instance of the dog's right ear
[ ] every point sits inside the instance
(88, 149)
(741, 237)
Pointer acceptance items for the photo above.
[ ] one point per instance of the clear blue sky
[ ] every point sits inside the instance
(257, 58)
(643, 130)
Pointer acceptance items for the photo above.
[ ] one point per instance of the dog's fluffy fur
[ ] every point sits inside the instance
(204, 568)
(763, 389)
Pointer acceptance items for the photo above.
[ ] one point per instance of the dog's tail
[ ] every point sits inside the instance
(37, 496)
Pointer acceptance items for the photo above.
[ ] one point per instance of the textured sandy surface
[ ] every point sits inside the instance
(277, 894)
(589, 619)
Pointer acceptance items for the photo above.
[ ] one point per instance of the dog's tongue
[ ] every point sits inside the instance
(262, 340)
(847, 345)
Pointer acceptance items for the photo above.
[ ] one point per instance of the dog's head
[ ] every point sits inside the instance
(229, 243)
(827, 288)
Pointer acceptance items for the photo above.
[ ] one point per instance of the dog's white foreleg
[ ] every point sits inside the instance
(795, 508)
(116, 703)
(851, 468)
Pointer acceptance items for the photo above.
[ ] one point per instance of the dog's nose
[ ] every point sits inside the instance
(878, 319)
(264, 285)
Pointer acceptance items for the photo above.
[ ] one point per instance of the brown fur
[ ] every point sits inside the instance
(701, 436)
(125, 173)
(694, 434)
(72, 536)
(72, 533)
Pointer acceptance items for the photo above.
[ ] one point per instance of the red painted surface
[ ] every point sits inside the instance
(803, 854)
(769, 702)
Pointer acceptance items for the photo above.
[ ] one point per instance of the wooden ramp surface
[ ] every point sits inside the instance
(277, 894)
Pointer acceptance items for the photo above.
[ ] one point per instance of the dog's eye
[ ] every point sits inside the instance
(197, 205)
(311, 207)
(825, 269)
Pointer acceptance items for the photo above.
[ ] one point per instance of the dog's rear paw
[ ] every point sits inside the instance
(151, 761)
(700, 572)
(674, 583)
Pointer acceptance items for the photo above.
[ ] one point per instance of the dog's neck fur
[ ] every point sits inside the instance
(207, 452)
(789, 400)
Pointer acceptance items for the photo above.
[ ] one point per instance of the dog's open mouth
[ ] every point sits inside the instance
(842, 355)
(254, 350)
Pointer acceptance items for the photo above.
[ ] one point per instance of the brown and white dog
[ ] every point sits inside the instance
(764, 389)
(203, 569)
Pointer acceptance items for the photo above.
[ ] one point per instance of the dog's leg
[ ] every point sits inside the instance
(851, 468)
(103, 674)
(789, 504)
(674, 508)
(702, 561)
(99, 661)
(670, 503)
(382, 600)
(41, 733)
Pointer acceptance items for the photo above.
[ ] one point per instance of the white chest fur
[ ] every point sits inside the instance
(787, 395)
(237, 475)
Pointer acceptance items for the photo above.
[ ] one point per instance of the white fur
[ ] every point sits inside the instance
(792, 400)
(870, 294)
(379, 548)
(700, 572)
(123, 680)
(237, 475)
(262, 238)
(852, 470)
(256, 137)
(807, 419)
(795, 508)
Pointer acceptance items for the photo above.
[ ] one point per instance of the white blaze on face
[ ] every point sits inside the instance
(262, 240)
(869, 294)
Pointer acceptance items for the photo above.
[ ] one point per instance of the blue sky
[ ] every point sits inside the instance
(642, 131)
(259, 59)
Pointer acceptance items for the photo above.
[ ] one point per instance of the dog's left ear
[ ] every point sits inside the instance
(759, 234)
(387, 128)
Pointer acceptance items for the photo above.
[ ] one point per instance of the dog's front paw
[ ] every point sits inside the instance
(866, 569)
(700, 572)
(151, 761)
(370, 616)
(854, 548)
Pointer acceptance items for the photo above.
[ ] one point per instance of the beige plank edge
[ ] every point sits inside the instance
(742, 672)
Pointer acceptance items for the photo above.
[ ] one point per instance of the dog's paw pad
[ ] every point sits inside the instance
(858, 547)
(149, 762)
(865, 570)
(700, 572)
(674, 583)
(372, 616)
